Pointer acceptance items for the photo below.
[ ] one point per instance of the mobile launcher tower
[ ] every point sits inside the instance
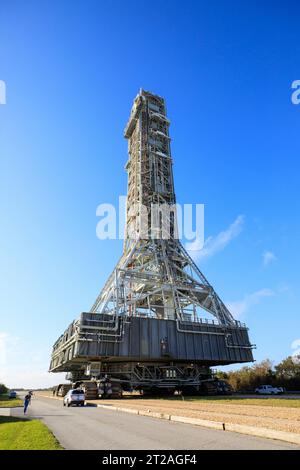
(147, 330)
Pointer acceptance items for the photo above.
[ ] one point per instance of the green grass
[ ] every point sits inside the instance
(221, 399)
(5, 402)
(231, 400)
(23, 434)
(226, 400)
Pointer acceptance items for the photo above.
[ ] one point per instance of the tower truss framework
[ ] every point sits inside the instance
(153, 305)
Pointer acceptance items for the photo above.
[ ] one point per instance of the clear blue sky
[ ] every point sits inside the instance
(72, 70)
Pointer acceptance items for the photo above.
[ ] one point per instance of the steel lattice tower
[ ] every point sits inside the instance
(146, 328)
(155, 276)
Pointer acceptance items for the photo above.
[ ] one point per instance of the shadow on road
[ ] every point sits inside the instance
(12, 419)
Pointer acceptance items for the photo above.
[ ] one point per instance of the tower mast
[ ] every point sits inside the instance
(155, 276)
(147, 329)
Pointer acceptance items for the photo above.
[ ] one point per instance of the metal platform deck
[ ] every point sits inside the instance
(110, 338)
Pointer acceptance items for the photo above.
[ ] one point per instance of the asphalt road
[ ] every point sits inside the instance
(98, 428)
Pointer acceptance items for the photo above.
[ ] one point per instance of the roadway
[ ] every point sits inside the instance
(92, 428)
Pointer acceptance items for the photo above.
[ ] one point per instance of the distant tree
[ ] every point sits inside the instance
(3, 389)
(288, 374)
(288, 368)
(221, 375)
(285, 374)
(248, 378)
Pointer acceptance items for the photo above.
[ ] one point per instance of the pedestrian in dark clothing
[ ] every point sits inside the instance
(26, 402)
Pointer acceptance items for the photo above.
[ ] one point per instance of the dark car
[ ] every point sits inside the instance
(12, 394)
(223, 388)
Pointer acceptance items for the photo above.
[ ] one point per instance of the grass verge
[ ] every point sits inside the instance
(231, 400)
(5, 402)
(23, 434)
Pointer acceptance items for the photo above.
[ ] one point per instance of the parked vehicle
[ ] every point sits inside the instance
(74, 397)
(268, 390)
(223, 388)
(12, 394)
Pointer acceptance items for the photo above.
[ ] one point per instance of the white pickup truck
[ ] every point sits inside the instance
(268, 390)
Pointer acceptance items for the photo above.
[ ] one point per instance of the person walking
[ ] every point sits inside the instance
(26, 402)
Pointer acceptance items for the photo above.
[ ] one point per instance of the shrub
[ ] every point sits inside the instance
(3, 389)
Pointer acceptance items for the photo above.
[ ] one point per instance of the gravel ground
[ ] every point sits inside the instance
(281, 419)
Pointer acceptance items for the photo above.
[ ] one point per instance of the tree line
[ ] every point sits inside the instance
(285, 374)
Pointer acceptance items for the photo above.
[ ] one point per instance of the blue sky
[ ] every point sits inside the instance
(71, 71)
